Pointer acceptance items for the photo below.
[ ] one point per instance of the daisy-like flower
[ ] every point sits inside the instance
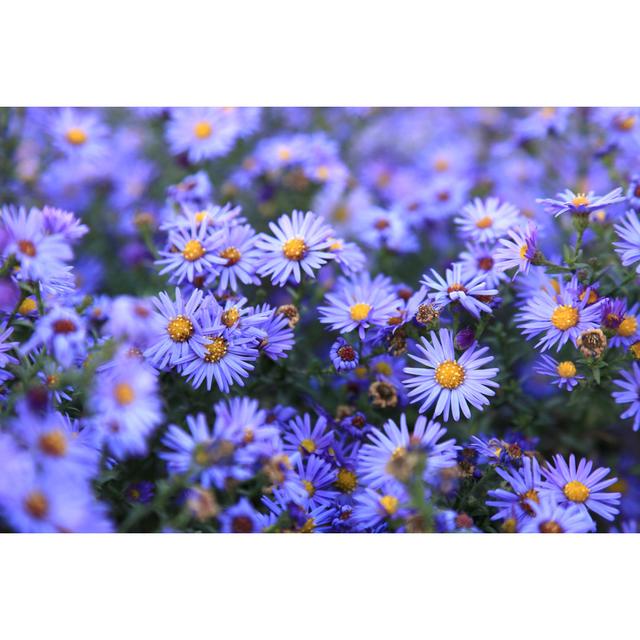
(301, 243)
(201, 132)
(194, 250)
(386, 457)
(550, 517)
(629, 394)
(518, 251)
(581, 486)
(564, 373)
(224, 356)
(580, 203)
(466, 290)
(359, 303)
(343, 356)
(452, 384)
(79, 133)
(243, 419)
(485, 221)
(373, 508)
(126, 406)
(240, 518)
(480, 260)
(626, 321)
(5, 357)
(525, 483)
(237, 246)
(41, 256)
(276, 333)
(178, 326)
(629, 246)
(561, 316)
(62, 331)
(317, 477)
(302, 438)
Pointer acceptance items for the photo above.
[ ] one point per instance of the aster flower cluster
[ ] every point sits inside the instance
(319, 320)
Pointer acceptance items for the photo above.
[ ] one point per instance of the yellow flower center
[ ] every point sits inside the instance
(308, 526)
(523, 251)
(53, 443)
(576, 491)
(626, 124)
(360, 311)
(635, 350)
(566, 369)
(550, 526)
(27, 306)
(564, 317)
(346, 481)
(449, 374)
(593, 296)
(201, 216)
(580, 200)
(231, 255)
(308, 445)
(203, 130)
(216, 349)
(36, 505)
(193, 250)
(76, 136)
(230, 317)
(27, 248)
(336, 246)
(124, 394)
(628, 326)
(484, 223)
(180, 329)
(389, 504)
(441, 164)
(284, 153)
(384, 368)
(309, 487)
(294, 249)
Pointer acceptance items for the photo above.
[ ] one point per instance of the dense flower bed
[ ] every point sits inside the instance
(319, 320)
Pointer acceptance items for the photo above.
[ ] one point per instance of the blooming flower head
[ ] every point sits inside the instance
(525, 483)
(276, 334)
(518, 250)
(581, 486)
(629, 394)
(317, 477)
(301, 438)
(486, 220)
(628, 248)
(79, 133)
(550, 517)
(343, 356)
(359, 303)
(193, 252)
(452, 384)
(240, 518)
(300, 242)
(373, 508)
(386, 458)
(480, 259)
(65, 223)
(580, 203)
(564, 373)
(561, 316)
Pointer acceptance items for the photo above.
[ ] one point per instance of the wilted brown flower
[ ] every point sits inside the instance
(383, 394)
(592, 343)
(202, 504)
(426, 314)
(291, 313)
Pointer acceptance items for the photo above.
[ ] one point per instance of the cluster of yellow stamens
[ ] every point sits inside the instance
(202, 130)
(346, 481)
(389, 504)
(294, 249)
(36, 505)
(180, 329)
(628, 326)
(76, 136)
(193, 250)
(484, 222)
(456, 286)
(53, 443)
(27, 248)
(566, 369)
(216, 349)
(230, 317)
(580, 200)
(360, 311)
(449, 374)
(231, 255)
(124, 394)
(550, 526)
(564, 317)
(307, 445)
(576, 491)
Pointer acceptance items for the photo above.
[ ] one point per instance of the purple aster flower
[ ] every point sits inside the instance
(178, 325)
(62, 331)
(561, 316)
(244, 422)
(195, 190)
(207, 456)
(630, 394)
(581, 486)
(626, 320)
(564, 373)
(485, 221)
(125, 405)
(377, 228)
(392, 444)
(373, 508)
(132, 320)
(629, 246)
(193, 251)
(550, 517)
(141, 492)
(452, 384)
(301, 438)
(359, 303)
(201, 132)
(458, 288)
(242, 517)
(303, 519)
(301, 242)
(481, 260)
(79, 133)
(450, 521)
(64, 223)
(276, 335)
(348, 255)
(518, 251)
(580, 203)
(317, 477)
(343, 356)
(525, 483)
